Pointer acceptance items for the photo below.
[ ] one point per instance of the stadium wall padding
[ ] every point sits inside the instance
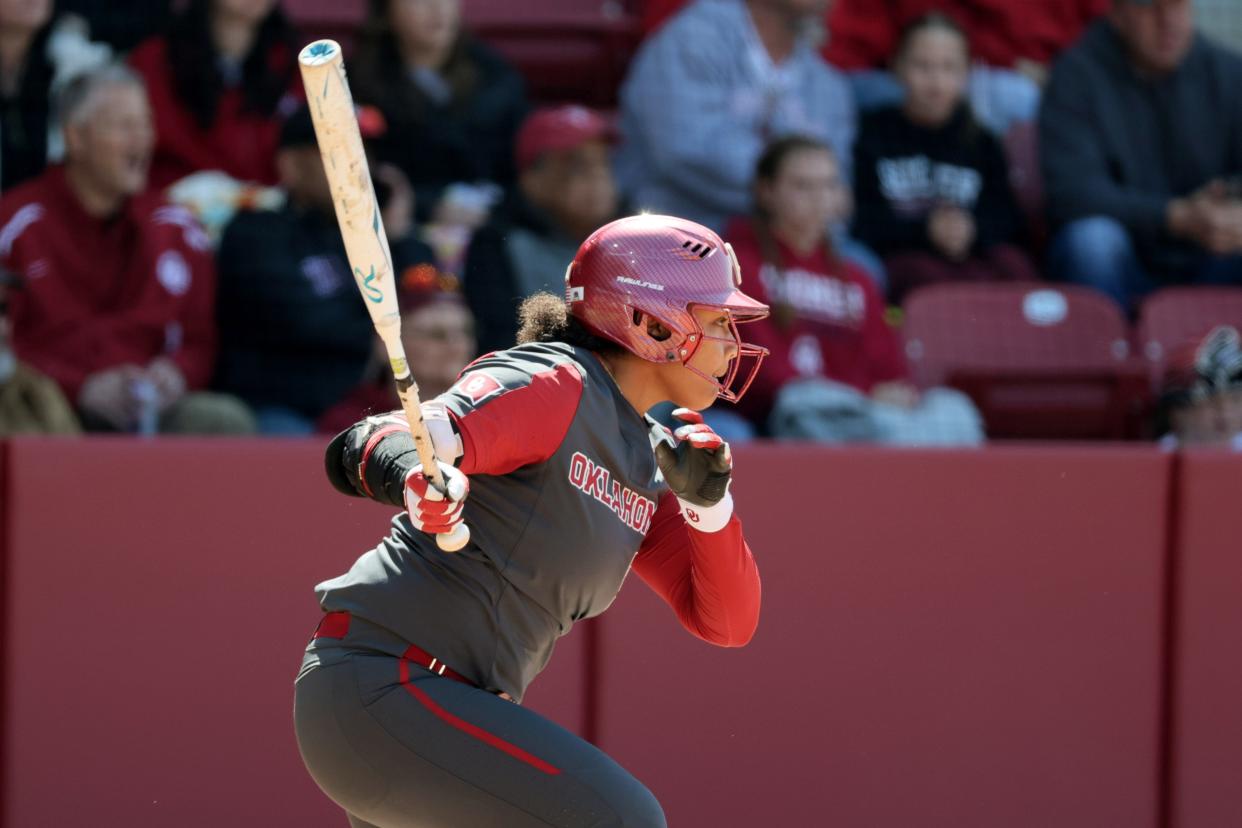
(948, 638)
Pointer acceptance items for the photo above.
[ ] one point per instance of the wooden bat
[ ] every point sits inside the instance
(357, 212)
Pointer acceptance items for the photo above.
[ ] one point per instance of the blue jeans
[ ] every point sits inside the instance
(1098, 252)
(279, 421)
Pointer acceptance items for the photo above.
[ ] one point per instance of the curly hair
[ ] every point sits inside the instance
(543, 317)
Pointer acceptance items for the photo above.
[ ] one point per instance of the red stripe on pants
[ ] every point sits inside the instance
(472, 729)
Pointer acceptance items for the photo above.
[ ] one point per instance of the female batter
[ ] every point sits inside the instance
(405, 705)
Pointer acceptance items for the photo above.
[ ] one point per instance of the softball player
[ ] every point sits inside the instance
(405, 707)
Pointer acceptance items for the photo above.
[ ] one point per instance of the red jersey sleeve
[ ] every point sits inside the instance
(708, 578)
(508, 417)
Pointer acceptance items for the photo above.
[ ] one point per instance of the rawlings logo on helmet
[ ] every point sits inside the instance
(626, 280)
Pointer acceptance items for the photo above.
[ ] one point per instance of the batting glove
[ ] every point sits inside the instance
(698, 471)
(428, 508)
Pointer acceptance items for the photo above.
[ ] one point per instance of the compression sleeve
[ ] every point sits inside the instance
(708, 578)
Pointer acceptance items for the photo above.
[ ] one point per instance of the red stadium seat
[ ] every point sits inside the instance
(337, 19)
(1038, 362)
(1173, 317)
(567, 50)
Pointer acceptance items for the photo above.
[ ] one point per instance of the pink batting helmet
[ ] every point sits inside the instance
(661, 267)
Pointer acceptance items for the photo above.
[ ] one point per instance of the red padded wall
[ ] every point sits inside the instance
(159, 599)
(947, 639)
(1207, 720)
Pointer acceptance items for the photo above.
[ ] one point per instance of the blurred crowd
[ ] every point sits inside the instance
(171, 262)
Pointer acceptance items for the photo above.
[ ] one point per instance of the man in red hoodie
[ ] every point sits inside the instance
(118, 304)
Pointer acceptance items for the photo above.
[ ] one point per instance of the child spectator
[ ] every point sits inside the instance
(295, 336)
(38, 55)
(437, 331)
(1201, 401)
(709, 89)
(1140, 141)
(118, 285)
(836, 370)
(452, 105)
(565, 192)
(220, 82)
(932, 185)
(1014, 43)
(30, 403)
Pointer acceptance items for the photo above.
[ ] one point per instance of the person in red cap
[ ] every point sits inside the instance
(565, 190)
(437, 330)
(1201, 399)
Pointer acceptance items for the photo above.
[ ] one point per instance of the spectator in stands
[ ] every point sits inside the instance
(932, 185)
(117, 303)
(836, 370)
(1201, 401)
(38, 55)
(121, 25)
(220, 81)
(709, 89)
(1141, 144)
(453, 106)
(294, 336)
(437, 331)
(1013, 41)
(30, 403)
(565, 192)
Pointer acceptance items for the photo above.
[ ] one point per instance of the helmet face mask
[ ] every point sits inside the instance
(725, 386)
(662, 268)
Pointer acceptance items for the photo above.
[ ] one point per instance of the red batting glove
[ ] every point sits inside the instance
(428, 508)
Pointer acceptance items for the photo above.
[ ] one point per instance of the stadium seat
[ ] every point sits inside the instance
(1174, 316)
(567, 50)
(1040, 363)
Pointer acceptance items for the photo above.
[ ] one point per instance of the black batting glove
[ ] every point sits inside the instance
(698, 471)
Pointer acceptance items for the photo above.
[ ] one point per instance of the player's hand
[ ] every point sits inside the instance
(698, 470)
(952, 230)
(430, 511)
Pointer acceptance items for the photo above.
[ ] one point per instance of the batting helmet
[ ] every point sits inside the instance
(663, 268)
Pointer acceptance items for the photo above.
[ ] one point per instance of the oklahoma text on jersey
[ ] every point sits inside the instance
(633, 509)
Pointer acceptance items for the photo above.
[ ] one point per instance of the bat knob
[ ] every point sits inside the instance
(455, 540)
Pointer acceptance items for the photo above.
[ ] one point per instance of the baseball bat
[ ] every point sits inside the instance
(366, 245)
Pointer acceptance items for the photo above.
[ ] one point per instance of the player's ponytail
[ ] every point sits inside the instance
(543, 317)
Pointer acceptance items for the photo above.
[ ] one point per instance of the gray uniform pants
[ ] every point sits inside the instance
(401, 747)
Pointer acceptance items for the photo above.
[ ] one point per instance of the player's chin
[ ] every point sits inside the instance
(699, 395)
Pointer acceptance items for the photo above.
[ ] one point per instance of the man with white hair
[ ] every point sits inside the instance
(118, 295)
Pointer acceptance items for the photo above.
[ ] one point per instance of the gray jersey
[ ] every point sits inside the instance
(570, 490)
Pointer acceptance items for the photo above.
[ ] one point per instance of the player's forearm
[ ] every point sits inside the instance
(371, 459)
(725, 585)
(709, 578)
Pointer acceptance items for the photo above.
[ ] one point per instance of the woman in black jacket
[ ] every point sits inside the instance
(453, 105)
(932, 185)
